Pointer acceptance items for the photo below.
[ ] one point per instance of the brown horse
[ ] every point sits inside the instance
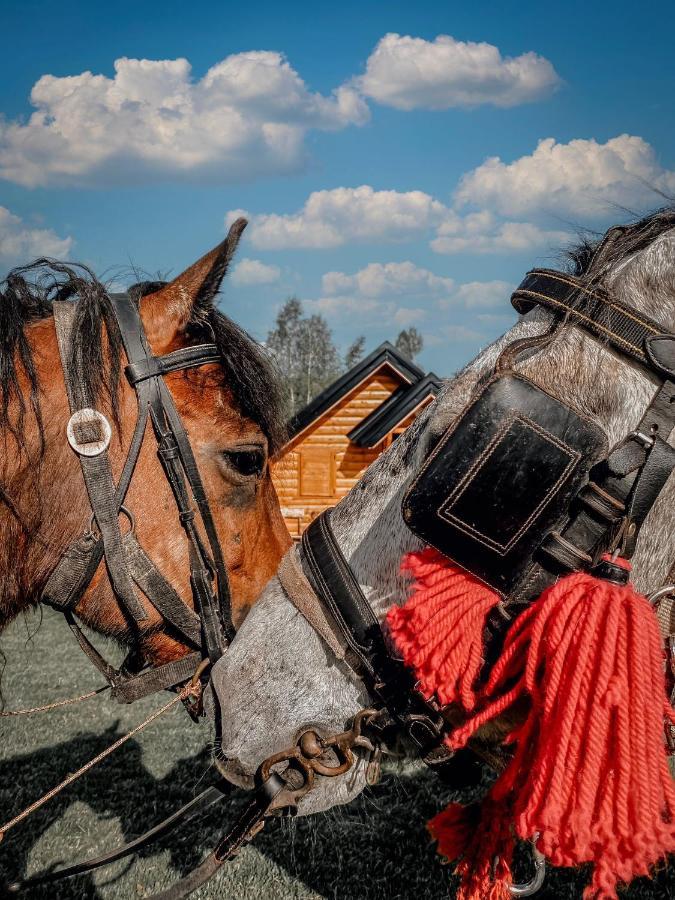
(231, 411)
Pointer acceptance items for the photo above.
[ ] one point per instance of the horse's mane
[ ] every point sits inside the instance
(626, 240)
(27, 295)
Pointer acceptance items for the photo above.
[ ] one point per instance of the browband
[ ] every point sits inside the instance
(628, 331)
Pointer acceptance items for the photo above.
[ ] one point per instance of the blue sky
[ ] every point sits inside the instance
(389, 155)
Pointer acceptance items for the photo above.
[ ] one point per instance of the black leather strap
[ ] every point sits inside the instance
(193, 809)
(625, 328)
(185, 358)
(334, 583)
(145, 373)
(244, 828)
(386, 678)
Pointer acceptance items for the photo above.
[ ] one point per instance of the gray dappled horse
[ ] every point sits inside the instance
(279, 677)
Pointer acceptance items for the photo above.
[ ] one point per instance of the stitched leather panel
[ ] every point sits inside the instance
(501, 479)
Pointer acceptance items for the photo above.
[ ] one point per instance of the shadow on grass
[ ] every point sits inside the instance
(376, 847)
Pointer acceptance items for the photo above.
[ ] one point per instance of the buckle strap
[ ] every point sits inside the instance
(185, 358)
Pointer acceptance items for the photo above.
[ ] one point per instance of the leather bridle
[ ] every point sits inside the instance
(206, 629)
(605, 516)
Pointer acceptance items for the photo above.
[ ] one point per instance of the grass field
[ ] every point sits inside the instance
(375, 848)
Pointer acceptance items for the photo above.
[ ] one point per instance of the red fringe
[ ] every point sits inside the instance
(439, 631)
(590, 771)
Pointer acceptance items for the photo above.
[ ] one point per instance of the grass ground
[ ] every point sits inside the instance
(375, 848)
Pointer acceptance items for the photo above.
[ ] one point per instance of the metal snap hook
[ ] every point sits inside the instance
(528, 888)
(657, 596)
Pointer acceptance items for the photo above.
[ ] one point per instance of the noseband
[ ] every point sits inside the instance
(207, 628)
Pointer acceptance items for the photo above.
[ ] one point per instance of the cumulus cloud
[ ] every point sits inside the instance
(253, 271)
(385, 279)
(248, 116)
(411, 73)
(344, 215)
(21, 243)
(403, 293)
(483, 294)
(483, 232)
(335, 217)
(497, 208)
(581, 178)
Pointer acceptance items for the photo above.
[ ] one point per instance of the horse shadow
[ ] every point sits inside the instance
(375, 847)
(120, 788)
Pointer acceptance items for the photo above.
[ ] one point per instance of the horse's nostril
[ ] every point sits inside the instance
(234, 772)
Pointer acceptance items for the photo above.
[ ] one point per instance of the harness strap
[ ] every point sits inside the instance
(334, 583)
(337, 591)
(608, 319)
(301, 594)
(160, 593)
(185, 358)
(158, 678)
(97, 475)
(246, 827)
(145, 373)
(191, 810)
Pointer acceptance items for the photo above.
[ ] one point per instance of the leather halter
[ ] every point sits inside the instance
(210, 628)
(606, 514)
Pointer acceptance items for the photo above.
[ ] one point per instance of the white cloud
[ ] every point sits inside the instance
(253, 271)
(406, 315)
(582, 178)
(334, 217)
(21, 243)
(482, 232)
(497, 208)
(375, 293)
(483, 294)
(411, 73)
(385, 279)
(246, 117)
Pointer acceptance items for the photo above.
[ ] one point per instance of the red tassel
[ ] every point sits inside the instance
(480, 836)
(590, 772)
(439, 631)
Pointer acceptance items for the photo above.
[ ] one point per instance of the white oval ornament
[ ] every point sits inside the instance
(82, 418)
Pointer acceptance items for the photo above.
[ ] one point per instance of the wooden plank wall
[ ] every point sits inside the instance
(325, 445)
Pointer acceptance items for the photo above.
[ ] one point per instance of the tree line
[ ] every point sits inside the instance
(308, 360)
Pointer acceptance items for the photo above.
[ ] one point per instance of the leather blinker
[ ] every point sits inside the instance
(502, 478)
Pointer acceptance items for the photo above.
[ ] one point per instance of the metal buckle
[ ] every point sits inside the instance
(95, 420)
(645, 440)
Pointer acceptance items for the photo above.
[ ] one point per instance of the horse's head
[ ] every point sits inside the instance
(230, 409)
(279, 677)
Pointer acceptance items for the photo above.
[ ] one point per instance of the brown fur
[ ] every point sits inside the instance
(49, 497)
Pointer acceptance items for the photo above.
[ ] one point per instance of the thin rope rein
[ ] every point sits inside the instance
(190, 688)
(6, 714)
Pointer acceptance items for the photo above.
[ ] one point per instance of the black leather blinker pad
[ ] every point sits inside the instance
(501, 478)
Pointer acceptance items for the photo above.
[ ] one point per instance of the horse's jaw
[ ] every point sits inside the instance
(264, 697)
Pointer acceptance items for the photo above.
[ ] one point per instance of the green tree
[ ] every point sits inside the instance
(409, 342)
(305, 354)
(354, 352)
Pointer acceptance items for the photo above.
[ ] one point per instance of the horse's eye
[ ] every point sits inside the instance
(246, 462)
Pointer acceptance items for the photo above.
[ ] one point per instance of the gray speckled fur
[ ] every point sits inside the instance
(278, 676)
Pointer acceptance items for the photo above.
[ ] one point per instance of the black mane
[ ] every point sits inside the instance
(26, 296)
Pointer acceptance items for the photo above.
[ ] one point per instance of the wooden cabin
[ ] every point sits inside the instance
(335, 438)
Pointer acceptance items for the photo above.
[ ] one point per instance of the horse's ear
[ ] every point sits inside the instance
(189, 297)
